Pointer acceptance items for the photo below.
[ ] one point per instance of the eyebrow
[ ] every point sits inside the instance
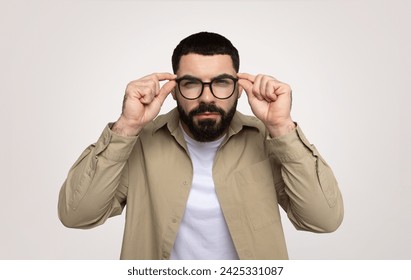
(221, 76)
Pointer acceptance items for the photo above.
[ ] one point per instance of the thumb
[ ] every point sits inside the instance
(165, 90)
(247, 86)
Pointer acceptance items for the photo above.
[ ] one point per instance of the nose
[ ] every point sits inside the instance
(207, 96)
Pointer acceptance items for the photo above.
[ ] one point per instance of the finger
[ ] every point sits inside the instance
(147, 94)
(256, 87)
(153, 83)
(246, 76)
(155, 79)
(263, 85)
(246, 85)
(143, 87)
(165, 90)
(280, 88)
(270, 90)
(165, 76)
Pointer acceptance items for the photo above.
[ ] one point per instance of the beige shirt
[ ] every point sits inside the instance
(152, 175)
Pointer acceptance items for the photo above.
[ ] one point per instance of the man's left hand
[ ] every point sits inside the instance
(270, 101)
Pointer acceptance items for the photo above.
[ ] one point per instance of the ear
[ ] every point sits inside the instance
(240, 91)
(173, 93)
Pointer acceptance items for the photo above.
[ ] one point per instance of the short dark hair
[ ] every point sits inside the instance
(205, 43)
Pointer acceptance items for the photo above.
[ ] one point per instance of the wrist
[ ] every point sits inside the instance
(123, 128)
(281, 129)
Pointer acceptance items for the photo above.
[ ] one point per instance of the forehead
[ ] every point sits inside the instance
(205, 66)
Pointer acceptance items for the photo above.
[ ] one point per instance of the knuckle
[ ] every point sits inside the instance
(130, 85)
(256, 90)
(146, 91)
(153, 83)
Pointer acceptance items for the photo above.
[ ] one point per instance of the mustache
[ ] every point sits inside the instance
(202, 108)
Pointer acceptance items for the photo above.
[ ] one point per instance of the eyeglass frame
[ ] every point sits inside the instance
(224, 76)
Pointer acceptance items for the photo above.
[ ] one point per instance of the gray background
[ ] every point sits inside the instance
(65, 64)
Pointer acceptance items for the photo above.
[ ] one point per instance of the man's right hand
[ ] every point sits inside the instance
(142, 102)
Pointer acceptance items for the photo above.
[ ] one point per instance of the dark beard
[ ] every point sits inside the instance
(207, 130)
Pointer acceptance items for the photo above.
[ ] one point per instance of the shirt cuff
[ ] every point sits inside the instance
(290, 147)
(113, 146)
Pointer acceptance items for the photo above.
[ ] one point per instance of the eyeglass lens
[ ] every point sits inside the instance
(221, 87)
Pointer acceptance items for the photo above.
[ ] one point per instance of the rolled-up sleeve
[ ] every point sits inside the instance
(96, 185)
(306, 186)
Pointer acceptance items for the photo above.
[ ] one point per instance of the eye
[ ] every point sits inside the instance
(223, 82)
(189, 83)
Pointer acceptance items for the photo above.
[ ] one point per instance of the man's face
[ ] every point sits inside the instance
(207, 117)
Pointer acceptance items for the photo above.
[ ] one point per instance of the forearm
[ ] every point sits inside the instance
(96, 186)
(315, 202)
(307, 188)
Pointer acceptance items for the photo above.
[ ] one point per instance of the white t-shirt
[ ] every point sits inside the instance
(203, 232)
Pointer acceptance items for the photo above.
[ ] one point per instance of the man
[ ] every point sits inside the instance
(203, 181)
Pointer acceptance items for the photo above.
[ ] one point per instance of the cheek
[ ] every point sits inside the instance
(186, 105)
(227, 105)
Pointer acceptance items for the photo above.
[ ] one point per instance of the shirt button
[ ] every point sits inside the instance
(184, 185)
(174, 221)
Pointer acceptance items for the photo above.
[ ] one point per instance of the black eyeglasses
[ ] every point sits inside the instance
(222, 87)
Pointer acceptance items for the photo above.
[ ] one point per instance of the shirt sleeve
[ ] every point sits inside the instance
(306, 186)
(96, 185)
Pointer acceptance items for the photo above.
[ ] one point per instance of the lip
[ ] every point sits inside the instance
(206, 115)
